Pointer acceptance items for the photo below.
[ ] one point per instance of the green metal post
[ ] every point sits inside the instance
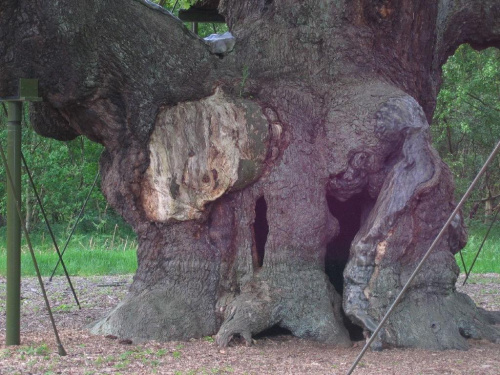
(13, 225)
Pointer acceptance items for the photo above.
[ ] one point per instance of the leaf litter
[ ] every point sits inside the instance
(280, 354)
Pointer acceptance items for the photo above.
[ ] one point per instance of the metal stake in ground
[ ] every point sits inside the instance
(419, 266)
(74, 225)
(467, 273)
(30, 177)
(60, 347)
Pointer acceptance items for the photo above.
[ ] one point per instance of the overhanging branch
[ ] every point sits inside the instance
(476, 22)
(106, 64)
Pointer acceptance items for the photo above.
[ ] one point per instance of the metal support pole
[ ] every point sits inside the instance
(28, 91)
(13, 315)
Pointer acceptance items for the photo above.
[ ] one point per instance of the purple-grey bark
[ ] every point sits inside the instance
(290, 182)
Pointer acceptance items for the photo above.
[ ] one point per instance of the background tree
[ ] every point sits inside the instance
(466, 123)
(240, 172)
(63, 174)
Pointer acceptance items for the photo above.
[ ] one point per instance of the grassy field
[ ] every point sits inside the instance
(103, 254)
(86, 255)
(489, 258)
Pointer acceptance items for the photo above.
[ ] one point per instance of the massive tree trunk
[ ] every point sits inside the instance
(288, 182)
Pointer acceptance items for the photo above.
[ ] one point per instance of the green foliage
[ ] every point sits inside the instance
(63, 173)
(161, 352)
(466, 124)
(42, 349)
(179, 4)
(489, 258)
(466, 127)
(204, 29)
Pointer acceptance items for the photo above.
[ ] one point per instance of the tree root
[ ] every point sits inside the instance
(156, 315)
(307, 313)
(439, 322)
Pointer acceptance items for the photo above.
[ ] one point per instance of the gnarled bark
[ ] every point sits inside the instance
(239, 172)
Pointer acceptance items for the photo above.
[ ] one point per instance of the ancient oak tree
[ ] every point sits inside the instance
(289, 182)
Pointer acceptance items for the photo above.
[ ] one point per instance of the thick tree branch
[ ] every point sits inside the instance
(113, 62)
(487, 105)
(475, 22)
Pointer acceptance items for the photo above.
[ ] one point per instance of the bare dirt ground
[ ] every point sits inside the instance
(270, 355)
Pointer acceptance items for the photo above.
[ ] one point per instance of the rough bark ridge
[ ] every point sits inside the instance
(254, 179)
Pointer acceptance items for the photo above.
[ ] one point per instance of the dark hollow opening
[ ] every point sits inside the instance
(273, 331)
(349, 214)
(260, 230)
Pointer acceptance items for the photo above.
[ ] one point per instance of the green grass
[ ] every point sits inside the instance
(78, 262)
(489, 258)
(86, 255)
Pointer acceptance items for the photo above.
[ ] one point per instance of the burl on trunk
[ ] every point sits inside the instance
(289, 182)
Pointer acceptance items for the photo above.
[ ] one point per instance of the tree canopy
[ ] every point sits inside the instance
(466, 123)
